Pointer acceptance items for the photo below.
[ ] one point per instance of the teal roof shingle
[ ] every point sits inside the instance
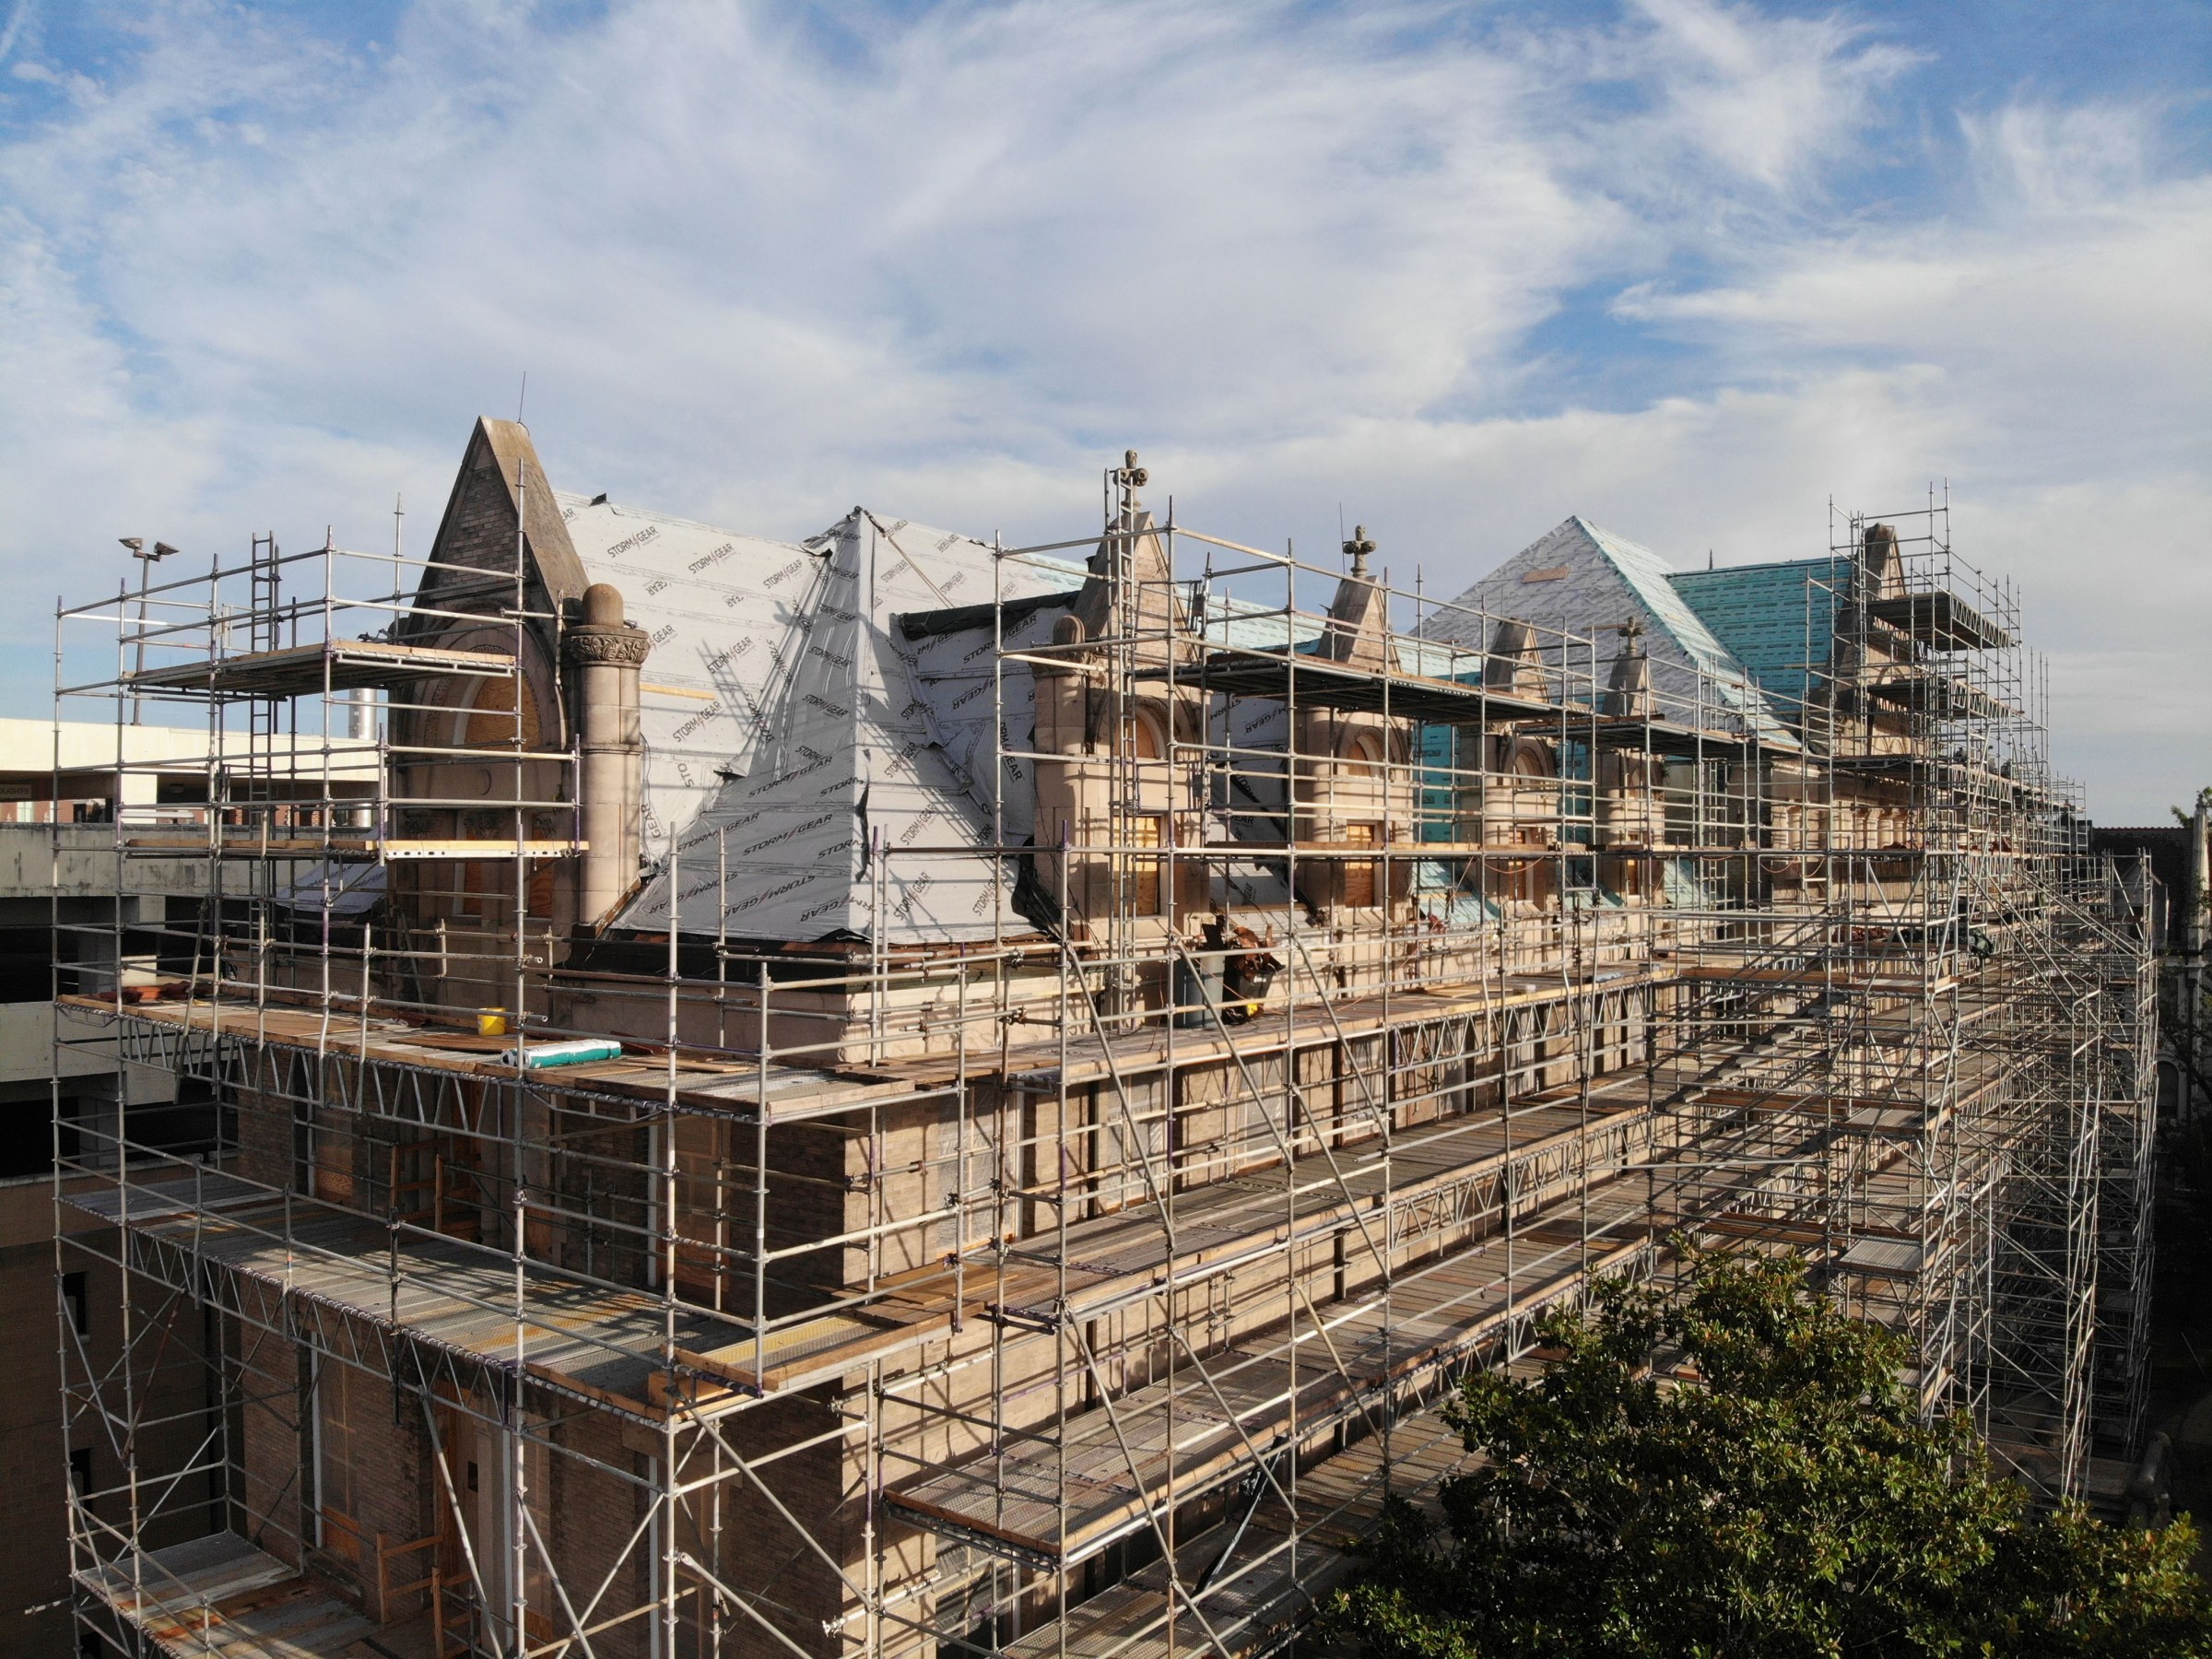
(1777, 620)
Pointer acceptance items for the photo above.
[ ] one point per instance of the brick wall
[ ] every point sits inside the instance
(168, 1377)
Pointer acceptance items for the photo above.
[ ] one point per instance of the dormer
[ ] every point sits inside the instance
(1515, 665)
(1358, 632)
(1628, 682)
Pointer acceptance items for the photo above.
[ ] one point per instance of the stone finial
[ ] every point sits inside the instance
(1358, 548)
(603, 605)
(602, 636)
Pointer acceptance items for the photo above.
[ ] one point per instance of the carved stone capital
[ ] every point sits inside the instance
(622, 645)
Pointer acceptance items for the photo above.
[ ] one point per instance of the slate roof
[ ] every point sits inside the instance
(1583, 580)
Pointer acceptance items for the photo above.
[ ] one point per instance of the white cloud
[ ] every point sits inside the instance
(2079, 329)
(952, 267)
(1769, 99)
(12, 30)
(2046, 157)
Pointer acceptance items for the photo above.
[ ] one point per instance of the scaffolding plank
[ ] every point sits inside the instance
(1821, 975)
(1036, 1067)
(1944, 695)
(1655, 736)
(345, 849)
(1318, 683)
(221, 1597)
(332, 665)
(1124, 1256)
(1939, 618)
(1108, 1473)
(708, 1085)
(439, 1290)
(1257, 1585)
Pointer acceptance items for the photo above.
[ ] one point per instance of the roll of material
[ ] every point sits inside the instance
(534, 1058)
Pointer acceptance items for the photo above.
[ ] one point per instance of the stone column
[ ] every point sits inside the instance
(602, 654)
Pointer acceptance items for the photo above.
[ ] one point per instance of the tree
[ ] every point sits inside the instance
(1739, 1470)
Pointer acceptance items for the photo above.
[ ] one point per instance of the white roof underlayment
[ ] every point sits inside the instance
(807, 759)
(790, 728)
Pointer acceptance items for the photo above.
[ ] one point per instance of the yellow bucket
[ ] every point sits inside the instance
(491, 1023)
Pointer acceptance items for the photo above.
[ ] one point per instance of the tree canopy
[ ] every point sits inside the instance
(1739, 1469)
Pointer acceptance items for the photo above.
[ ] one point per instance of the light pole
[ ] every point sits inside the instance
(147, 560)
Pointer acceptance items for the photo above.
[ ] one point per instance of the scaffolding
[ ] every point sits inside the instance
(1387, 970)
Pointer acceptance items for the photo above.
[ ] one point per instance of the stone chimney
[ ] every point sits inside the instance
(602, 654)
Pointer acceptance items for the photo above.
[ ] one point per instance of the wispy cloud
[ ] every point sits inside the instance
(757, 269)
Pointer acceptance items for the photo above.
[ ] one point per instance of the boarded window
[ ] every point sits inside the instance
(344, 1407)
(540, 892)
(333, 1163)
(705, 1188)
(1143, 887)
(491, 723)
(1360, 873)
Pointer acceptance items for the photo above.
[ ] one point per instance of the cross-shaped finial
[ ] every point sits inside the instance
(1358, 548)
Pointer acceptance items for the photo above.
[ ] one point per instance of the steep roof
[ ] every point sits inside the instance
(787, 730)
(478, 529)
(1777, 620)
(1582, 579)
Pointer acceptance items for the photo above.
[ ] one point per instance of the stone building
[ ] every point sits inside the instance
(889, 1094)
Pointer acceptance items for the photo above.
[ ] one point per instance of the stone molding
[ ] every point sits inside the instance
(624, 646)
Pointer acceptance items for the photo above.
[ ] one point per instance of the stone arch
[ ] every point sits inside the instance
(1364, 753)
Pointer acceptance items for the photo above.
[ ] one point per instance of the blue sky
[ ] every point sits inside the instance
(1693, 270)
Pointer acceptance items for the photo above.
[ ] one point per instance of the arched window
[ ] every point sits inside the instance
(489, 721)
(1535, 796)
(1363, 756)
(1145, 736)
(1146, 831)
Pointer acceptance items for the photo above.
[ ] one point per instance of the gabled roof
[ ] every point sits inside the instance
(478, 526)
(1584, 579)
(786, 731)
